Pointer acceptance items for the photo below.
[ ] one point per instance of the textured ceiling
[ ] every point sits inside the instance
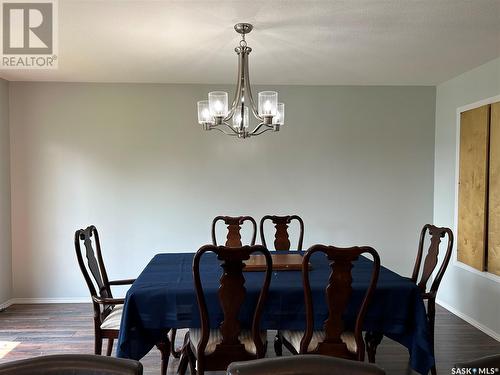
(352, 42)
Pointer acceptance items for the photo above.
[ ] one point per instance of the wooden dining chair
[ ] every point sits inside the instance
(214, 348)
(234, 224)
(281, 237)
(335, 339)
(435, 234)
(107, 310)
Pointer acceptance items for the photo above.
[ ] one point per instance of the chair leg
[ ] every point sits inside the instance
(175, 353)
(98, 344)
(192, 362)
(278, 345)
(372, 339)
(110, 347)
(164, 348)
(184, 361)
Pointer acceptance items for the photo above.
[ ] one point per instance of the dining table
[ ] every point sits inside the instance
(163, 297)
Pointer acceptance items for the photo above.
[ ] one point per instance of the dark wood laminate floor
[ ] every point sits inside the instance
(67, 328)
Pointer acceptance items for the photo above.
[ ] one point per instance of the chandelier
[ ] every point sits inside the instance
(235, 121)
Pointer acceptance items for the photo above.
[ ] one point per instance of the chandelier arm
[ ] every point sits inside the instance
(246, 76)
(231, 128)
(258, 127)
(233, 134)
(262, 131)
(238, 92)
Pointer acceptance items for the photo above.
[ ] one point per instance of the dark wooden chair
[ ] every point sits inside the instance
(107, 310)
(335, 339)
(234, 224)
(281, 237)
(436, 234)
(214, 348)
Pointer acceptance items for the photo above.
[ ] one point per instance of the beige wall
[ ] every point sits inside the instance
(5, 229)
(474, 296)
(355, 162)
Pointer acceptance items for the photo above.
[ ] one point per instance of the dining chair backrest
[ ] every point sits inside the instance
(431, 259)
(338, 295)
(281, 236)
(231, 295)
(234, 224)
(72, 364)
(93, 269)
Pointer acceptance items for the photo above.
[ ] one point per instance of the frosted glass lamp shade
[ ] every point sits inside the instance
(237, 118)
(268, 103)
(279, 119)
(217, 101)
(204, 116)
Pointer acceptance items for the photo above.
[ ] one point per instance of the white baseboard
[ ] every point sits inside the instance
(25, 301)
(470, 320)
(6, 304)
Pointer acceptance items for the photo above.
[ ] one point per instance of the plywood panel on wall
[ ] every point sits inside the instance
(473, 179)
(494, 192)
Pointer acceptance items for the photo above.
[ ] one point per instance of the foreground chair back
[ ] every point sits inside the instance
(281, 236)
(335, 339)
(214, 349)
(234, 224)
(72, 364)
(303, 365)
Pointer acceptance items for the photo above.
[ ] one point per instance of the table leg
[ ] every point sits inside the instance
(164, 348)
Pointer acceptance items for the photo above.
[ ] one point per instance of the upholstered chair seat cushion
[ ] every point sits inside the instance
(294, 338)
(216, 338)
(114, 319)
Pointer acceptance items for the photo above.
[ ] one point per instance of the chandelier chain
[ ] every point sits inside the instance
(243, 42)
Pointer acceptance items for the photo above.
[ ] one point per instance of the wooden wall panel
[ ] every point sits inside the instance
(493, 263)
(473, 179)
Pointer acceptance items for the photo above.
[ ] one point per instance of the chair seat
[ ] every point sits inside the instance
(294, 338)
(113, 320)
(216, 338)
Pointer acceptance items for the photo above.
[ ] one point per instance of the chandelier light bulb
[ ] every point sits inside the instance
(237, 118)
(217, 101)
(218, 106)
(279, 119)
(204, 116)
(268, 103)
(267, 107)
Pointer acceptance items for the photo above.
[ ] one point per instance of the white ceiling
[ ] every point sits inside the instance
(349, 42)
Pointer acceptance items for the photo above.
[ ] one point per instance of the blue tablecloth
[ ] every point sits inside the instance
(163, 297)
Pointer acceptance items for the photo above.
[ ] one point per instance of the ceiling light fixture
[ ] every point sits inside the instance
(235, 121)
